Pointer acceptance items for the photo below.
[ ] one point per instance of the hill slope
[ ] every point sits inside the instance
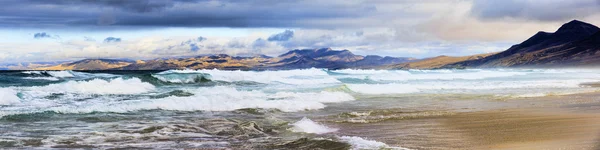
(573, 44)
(436, 62)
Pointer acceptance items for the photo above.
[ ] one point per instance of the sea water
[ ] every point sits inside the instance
(249, 109)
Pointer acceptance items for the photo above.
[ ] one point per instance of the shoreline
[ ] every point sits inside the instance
(549, 122)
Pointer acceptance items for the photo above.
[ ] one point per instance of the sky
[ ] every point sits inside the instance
(62, 30)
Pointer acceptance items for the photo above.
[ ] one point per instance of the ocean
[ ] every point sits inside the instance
(287, 109)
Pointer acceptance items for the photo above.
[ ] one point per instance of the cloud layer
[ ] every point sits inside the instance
(412, 28)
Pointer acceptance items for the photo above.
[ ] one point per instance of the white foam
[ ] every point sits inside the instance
(466, 86)
(180, 77)
(359, 143)
(381, 88)
(296, 77)
(401, 75)
(42, 78)
(8, 96)
(59, 74)
(308, 126)
(219, 98)
(97, 86)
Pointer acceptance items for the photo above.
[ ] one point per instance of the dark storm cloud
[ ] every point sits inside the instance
(283, 36)
(112, 40)
(547, 10)
(177, 13)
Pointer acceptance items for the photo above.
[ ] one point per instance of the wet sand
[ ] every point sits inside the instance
(552, 122)
(526, 129)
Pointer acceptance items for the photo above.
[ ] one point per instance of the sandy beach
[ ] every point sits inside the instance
(551, 122)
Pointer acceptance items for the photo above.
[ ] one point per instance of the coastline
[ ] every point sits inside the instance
(549, 122)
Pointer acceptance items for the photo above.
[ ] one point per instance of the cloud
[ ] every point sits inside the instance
(194, 47)
(85, 38)
(112, 40)
(180, 13)
(540, 10)
(42, 35)
(200, 39)
(283, 36)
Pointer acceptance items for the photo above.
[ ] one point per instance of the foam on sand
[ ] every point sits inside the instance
(308, 126)
(359, 143)
(467, 86)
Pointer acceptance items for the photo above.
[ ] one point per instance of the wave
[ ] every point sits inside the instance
(295, 77)
(382, 88)
(402, 75)
(308, 126)
(464, 86)
(66, 74)
(174, 76)
(388, 114)
(218, 98)
(8, 96)
(96, 86)
(42, 78)
(59, 74)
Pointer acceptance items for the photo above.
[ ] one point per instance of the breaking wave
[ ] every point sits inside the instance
(8, 96)
(218, 98)
(181, 76)
(96, 86)
(58, 74)
(308, 126)
(294, 77)
(402, 75)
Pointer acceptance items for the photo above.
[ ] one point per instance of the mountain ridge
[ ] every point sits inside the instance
(293, 59)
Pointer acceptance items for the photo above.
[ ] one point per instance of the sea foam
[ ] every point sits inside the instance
(359, 143)
(8, 96)
(97, 86)
(295, 77)
(218, 98)
(308, 126)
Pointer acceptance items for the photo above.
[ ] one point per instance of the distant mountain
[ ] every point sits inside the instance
(294, 59)
(436, 62)
(90, 64)
(574, 44)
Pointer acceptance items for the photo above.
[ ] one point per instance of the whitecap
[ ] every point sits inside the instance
(97, 86)
(308, 126)
(8, 96)
(295, 77)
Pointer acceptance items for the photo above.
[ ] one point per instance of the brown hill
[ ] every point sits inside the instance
(436, 62)
(90, 64)
(574, 44)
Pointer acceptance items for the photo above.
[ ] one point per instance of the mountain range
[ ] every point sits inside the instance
(574, 44)
(294, 59)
